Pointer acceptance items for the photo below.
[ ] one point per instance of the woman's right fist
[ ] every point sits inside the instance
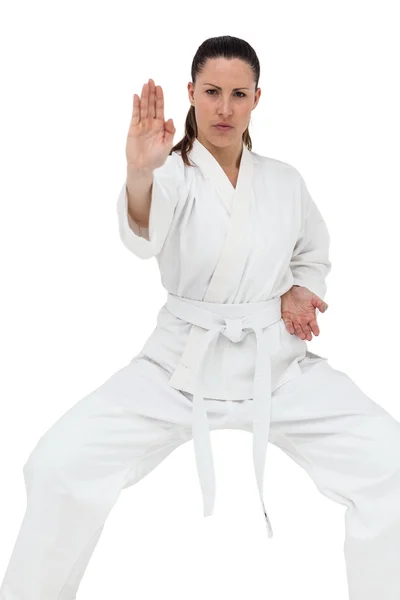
(150, 138)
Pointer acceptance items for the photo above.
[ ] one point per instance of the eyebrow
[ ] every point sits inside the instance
(234, 89)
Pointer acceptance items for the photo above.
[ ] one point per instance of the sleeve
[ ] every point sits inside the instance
(310, 262)
(167, 185)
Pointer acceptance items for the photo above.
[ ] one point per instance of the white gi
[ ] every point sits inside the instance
(226, 256)
(220, 357)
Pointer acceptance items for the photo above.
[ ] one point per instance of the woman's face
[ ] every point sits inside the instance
(224, 91)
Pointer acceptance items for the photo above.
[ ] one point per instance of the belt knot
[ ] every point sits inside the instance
(234, 329)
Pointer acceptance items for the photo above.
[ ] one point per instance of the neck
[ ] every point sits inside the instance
(228, 157)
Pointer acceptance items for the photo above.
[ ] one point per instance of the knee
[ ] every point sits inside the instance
(379, 479)
(49, 459)
(385, 449)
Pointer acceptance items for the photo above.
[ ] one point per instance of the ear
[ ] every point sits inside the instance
(257, 97)
(190, 88)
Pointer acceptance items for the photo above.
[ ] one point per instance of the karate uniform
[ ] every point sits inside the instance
(232, 253)
(219, 357)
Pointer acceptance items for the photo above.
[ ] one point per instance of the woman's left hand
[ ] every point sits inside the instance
(298, 311)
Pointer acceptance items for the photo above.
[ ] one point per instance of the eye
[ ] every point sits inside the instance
(212, 90)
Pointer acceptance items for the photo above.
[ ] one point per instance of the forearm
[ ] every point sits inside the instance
(139, 184)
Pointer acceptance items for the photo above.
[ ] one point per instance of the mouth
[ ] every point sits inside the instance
(223, 127)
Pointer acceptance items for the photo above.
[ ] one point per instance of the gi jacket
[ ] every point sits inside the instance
(225, 245)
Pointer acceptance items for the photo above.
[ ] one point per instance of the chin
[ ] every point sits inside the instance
(224, 139)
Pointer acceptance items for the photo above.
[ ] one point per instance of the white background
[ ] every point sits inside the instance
(76, 305)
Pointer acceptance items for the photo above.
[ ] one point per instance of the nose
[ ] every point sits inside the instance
(224, 107)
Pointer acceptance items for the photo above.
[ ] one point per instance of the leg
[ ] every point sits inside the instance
(109, 440)
(350, 447)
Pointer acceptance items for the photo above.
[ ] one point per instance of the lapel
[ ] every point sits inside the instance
(237, 201)
(231, 263)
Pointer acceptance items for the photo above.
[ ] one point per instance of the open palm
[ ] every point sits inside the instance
(298, 310)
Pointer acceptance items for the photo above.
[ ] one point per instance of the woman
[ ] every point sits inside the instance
(243, 254)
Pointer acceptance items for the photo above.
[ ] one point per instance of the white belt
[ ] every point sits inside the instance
(211, 319)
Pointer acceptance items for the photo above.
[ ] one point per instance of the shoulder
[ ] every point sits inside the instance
(173, 167)
(185, 174)
(277, 168)
(172, 163)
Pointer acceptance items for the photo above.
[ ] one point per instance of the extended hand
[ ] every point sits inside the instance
(298, 311)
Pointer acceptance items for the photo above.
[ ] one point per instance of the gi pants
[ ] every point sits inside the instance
(112, 438)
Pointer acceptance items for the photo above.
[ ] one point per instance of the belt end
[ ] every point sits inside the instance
(208, 511)
(268, 524)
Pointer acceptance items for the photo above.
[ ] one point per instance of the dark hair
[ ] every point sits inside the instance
(224, 46)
